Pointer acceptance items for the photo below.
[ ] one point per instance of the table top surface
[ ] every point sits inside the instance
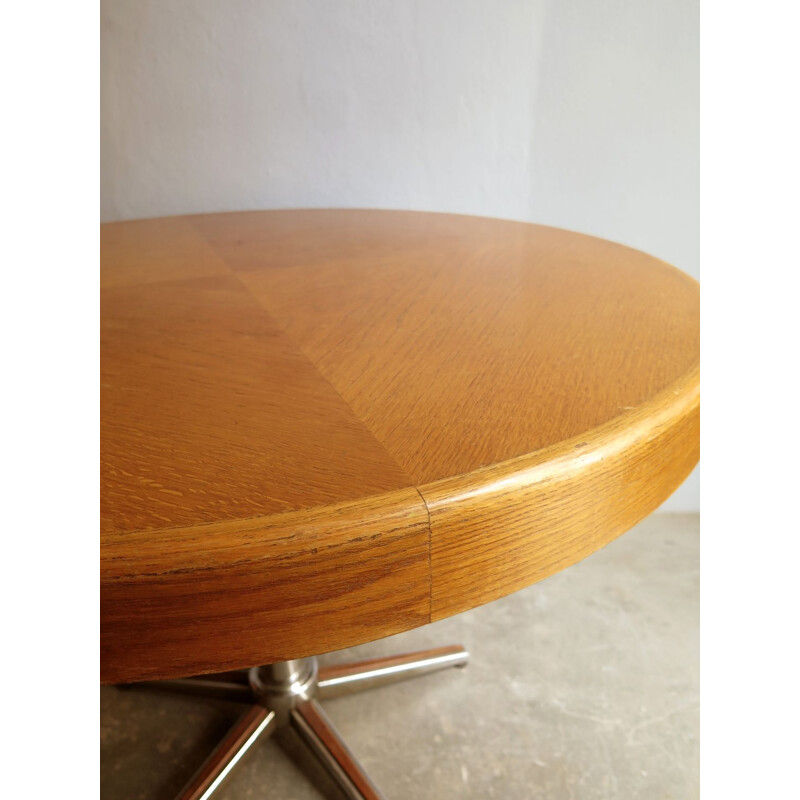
(346, 423)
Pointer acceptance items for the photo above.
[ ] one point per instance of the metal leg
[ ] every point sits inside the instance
(313, 725)
(231, 676)
(283, 693)
(221, 690)
(355, 677)
(255, 724)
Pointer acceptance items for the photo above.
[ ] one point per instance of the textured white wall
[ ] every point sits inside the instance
(252, 104)
(575, 113)
(617, 124)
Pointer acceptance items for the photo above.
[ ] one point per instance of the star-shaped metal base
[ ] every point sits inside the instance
(286, 693)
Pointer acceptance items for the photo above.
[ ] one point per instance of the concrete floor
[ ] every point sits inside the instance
(583, 686)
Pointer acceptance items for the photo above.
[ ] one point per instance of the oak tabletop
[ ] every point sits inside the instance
(321, 427)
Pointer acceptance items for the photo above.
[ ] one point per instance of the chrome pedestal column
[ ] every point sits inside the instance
(286, 693)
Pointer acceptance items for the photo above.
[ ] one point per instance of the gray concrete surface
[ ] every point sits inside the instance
(584, 686)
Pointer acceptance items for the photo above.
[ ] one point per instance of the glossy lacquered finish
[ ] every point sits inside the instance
(322, 427)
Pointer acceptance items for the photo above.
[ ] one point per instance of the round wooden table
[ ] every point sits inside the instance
(323, 427)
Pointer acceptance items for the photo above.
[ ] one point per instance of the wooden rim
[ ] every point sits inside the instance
(566, 480)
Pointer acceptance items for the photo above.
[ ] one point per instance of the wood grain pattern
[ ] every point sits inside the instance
(322, 427)
(209, 412)
(537, 334)
(144, 251)
(504, 527)
(235, 594)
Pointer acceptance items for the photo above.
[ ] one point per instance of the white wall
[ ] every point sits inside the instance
(213, 105)
(576, 113)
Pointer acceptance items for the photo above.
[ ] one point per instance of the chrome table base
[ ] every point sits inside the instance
(286, 693)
